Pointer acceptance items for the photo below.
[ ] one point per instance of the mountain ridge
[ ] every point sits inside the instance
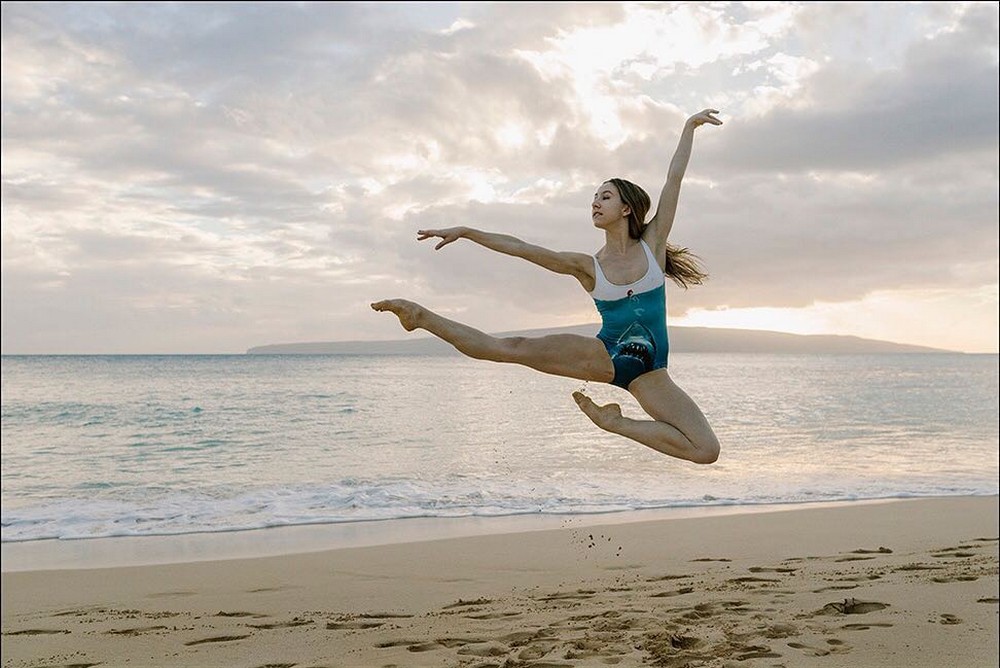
(682, 339)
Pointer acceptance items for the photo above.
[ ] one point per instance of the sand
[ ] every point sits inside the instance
(907, 583)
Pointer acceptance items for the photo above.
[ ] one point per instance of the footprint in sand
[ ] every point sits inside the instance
(484, 649)
(389, 644)
(852, 606)
(495, 615)
(424, 647)
(353, 625)
(762, 569)
(464, 604)
(578, 595)
(35, 632)
(756, 652)
(956, 578)
(834, 587)
(536, 651)
(215, 639)
(282, 625)
(917, 567)
(667, 648)
(809, 650)
(661, 578)
(135, 632)
(779, 631)
(707, 610)
(80, 612)
(834, 646)
(865, 627)
(949, 619)
(600, 645)
(223, 613)
(861, 578)
(430, 646)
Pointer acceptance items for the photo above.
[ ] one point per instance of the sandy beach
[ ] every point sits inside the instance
(903, 583)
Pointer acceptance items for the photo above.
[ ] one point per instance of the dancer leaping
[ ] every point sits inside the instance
(626, 280)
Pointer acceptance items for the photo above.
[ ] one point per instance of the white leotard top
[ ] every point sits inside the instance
(605, 290)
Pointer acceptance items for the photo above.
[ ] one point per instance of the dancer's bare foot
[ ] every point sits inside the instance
(408, 312)
(604, 417)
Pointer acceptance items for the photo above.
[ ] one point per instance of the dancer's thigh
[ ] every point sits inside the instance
(568, 355)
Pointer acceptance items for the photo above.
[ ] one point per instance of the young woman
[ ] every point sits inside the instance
(626, 280)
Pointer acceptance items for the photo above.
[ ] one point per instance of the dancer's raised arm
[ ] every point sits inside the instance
(578, 265)
(659, 227)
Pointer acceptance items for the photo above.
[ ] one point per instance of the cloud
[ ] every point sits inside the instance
(212, 176)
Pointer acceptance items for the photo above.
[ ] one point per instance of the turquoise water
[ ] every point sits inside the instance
(154, 445)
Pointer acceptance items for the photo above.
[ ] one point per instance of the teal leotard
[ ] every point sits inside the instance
(634, 321)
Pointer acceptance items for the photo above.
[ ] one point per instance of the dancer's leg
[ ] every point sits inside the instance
(567, 355)
(678, 427)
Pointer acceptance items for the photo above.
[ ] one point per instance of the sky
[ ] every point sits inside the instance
(206, 177)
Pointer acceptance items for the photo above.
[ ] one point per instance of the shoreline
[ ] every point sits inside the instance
(129, 551)
(907, 584)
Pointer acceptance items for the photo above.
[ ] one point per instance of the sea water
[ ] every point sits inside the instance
(101, 446)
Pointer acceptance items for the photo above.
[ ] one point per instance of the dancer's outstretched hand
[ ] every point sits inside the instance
(447, 235)
(704, 116)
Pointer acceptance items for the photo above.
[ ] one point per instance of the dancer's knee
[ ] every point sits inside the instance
(706, 452)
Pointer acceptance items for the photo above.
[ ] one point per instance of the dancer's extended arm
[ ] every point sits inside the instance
(659, 227)
(578, 265)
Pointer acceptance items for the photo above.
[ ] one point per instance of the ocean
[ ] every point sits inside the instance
(105, 446)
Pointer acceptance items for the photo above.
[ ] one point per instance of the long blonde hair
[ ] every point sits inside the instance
(681, 265)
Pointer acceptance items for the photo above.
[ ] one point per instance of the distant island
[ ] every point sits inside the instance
(682, 340)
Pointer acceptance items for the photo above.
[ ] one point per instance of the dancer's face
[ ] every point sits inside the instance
(608, 207)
